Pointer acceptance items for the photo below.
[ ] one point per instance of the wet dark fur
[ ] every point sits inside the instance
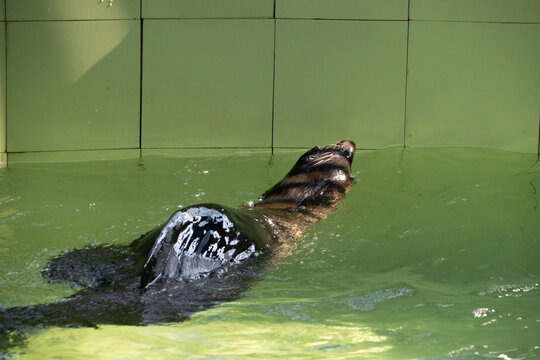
(113, 292)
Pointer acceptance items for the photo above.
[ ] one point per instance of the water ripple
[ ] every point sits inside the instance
(368, 301)
(509, 290)
(7, 199)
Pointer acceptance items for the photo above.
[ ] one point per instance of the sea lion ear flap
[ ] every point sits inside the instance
(310, 152)
(303, 161)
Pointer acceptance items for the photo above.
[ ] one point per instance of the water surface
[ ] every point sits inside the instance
(434, 254)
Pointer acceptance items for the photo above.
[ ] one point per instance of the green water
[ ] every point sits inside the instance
(434, 254)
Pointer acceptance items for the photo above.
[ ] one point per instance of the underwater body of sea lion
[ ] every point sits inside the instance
(205, 254)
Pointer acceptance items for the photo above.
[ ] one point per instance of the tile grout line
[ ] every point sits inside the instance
(273, 83)
(406, 75)
(283, 18)
(340, 19)
(4, 6)
(141, 56)
(5, 55)
(478, 22)
(66, 20)
(539, 135)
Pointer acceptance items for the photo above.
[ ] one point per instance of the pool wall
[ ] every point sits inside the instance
(103, 79)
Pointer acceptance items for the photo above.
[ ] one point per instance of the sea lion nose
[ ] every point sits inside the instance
(348, 145)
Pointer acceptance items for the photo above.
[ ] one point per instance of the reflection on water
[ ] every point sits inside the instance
(433, 255)
(222, 339)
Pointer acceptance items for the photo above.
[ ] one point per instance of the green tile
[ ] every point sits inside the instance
(73, 85)
(72, 156)
(343, 9)
(208, 8)
(72, 9)
(207, 83)
(474, 84)
(2, 10)
(476, 10)
(340, 80)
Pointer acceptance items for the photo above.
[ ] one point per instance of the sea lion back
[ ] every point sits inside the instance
(201, 239)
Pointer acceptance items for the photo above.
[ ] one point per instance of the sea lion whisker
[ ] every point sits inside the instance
(323, 159)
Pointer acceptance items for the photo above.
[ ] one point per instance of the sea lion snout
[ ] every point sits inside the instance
(348, 145)
(345, 148)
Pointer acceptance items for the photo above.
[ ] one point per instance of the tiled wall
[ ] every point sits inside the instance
(108, 78)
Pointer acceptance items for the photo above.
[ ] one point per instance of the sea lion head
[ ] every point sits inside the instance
(320, 177)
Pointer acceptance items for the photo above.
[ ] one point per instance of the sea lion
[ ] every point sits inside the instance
(204, 238)
(203, 255)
